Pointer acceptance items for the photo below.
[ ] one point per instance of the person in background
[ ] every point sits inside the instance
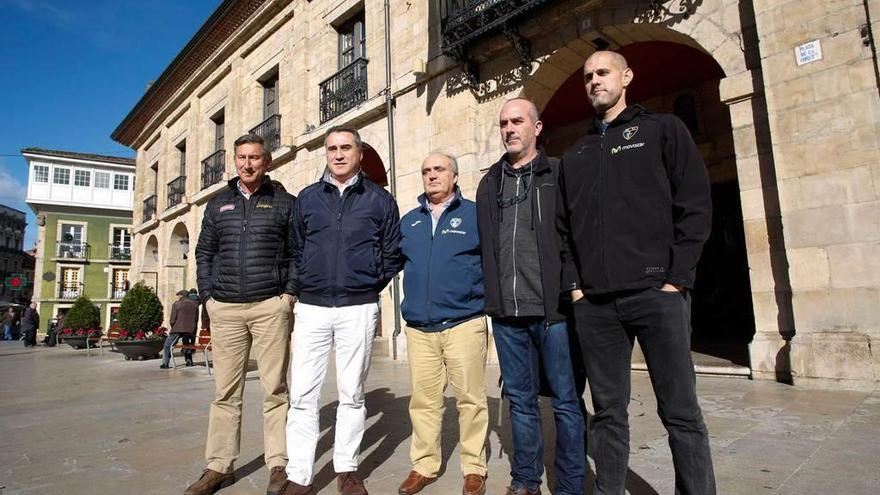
(184, 319)
(30, 322)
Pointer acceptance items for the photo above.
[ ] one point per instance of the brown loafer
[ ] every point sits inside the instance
(414, 483)
(522, 491)
(210, 482)
(474, 484)
(277, 480)
(296, 489)
(350, 484)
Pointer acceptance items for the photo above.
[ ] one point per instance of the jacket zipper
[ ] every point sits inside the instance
(601, 206)
(515, 222)
(538, 194)
(242, 246)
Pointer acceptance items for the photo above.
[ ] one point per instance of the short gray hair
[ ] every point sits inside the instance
(453, 163)
(344, 128)
(252, 139)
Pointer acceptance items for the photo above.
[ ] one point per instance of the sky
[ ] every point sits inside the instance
(73, 69)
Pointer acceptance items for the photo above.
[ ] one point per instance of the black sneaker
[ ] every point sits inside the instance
(164, 367)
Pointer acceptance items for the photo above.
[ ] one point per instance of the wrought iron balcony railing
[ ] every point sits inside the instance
(212, 168)
(465, 21)
(149, 208)
(73, 250)
(120, 253)
(176, 190)
(69, 290)
(344, 90)
(118, 291)
(270, 131)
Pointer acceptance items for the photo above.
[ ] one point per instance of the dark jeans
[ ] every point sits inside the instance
(607, 326)
(30, 338)
(525, 344)
(170, 340)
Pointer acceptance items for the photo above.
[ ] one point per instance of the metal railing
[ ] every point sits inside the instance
(73, 250)
(69, 290)
(149, 208)
(118, 291)
(120, 253)
(213, 167)
(344, 90)
(465, 21)
(176, 190)
(270, 131)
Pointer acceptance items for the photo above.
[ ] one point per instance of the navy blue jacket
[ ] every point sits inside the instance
(442, 274)
(347, 247)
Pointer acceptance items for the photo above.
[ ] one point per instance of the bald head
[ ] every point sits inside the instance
(527, 104)
(606, 78)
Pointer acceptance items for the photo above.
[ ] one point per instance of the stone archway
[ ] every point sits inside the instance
(738, 91)
(149, 268)
(176, 264)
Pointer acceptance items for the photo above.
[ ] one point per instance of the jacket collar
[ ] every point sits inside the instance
(456, 199)
(627, 115)
(264, 188)
(539, 165)
(358, 185)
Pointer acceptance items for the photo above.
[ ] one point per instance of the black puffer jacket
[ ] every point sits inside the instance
(245, 248)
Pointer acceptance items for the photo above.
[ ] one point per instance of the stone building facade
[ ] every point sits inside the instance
(16, 265)
(781, 97)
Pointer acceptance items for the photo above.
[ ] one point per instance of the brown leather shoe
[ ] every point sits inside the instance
(210, 482)
(522, 491)
(474, 484)
(277, 480)
(349, 484)
(296, 489)
(414, 483)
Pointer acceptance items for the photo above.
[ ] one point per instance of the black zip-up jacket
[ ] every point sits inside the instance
(635, 205)
(543, 198)
(347, 247)
(245, 248)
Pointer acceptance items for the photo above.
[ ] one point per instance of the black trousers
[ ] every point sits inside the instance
(607, 326)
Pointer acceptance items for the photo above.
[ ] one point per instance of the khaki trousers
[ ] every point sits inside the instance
(456, 356)
(236, 330)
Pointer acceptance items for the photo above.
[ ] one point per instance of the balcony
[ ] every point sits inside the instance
(176, 191)
(120, 253)
(149, 208)
(69, 290)
(213, 168)
(344, 90)
(118, 291)
(72, 250)
(270, 131)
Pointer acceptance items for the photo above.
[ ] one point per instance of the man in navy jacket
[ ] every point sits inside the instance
(446, 331)
(347, 249)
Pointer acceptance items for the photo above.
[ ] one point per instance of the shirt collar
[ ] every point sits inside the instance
(350, 182)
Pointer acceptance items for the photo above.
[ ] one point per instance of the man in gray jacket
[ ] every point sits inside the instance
(184, 318)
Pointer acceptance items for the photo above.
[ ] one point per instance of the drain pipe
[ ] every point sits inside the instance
(389, 116)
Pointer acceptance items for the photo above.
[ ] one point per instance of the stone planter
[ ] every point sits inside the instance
(139, 349)
(79, 341)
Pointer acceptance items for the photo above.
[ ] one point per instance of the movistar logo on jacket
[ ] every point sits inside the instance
(617, 149)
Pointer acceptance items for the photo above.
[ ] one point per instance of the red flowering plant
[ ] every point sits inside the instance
(158, 333)
(82, 320)
(80, 332)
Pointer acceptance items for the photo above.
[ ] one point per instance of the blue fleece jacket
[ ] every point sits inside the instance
(442, 274)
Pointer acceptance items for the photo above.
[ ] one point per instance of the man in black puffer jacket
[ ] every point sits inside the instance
(244, 263)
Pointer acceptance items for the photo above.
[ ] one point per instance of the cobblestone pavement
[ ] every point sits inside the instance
(73, 424)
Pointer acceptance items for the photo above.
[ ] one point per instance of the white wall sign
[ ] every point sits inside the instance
(808, 52)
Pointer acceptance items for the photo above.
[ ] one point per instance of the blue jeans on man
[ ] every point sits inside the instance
(7, 332)
(170, 340)
(525, 345)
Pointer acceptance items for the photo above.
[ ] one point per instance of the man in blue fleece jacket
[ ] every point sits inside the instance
(446, 331)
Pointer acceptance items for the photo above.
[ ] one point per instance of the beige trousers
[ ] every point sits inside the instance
(456, 356)
(237, 329)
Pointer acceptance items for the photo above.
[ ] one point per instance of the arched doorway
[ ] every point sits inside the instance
(681, 79)
(150, 262)
(373, 167)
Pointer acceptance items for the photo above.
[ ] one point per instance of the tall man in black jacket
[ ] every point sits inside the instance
(634, 213)
(243, 258)
(516, 217)
(347, 250)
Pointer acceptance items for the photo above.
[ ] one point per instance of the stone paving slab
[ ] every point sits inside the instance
(72, 424)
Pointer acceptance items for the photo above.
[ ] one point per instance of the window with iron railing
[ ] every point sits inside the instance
(270, 131)
(344, 90)
(176, 191)
(149, 208)
(69, 290)
(213, 167)
(73, 250)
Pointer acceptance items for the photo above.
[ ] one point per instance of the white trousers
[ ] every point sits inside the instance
(316, 329)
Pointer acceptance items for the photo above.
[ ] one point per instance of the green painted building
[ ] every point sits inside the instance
(83, 203)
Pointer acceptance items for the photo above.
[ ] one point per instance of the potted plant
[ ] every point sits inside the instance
(141, 334)
(82, 324)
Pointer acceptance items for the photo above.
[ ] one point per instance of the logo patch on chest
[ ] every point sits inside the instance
(455, 222)
(227, 208)
(630, 132)
(264, 206)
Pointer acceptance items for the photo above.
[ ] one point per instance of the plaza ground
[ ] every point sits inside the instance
(74, 424)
